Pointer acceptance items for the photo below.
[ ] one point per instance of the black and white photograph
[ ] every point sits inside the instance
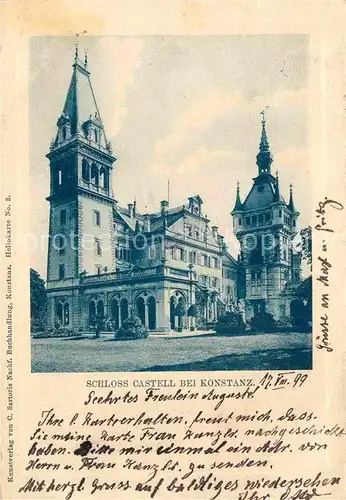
(170, 203)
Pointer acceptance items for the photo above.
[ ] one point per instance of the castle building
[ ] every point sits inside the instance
(265, 226)
(110, 261)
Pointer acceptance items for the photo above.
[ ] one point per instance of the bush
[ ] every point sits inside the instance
(58, 331)
(263, 323)
(132, 329)
(284, 323)
(230, 323)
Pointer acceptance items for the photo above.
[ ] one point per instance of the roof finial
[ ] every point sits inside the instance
(86, 59)
(264, 158)
(291, 202)
(76, 52)
(238, 204)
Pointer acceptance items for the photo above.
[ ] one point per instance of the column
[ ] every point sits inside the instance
(163, 323)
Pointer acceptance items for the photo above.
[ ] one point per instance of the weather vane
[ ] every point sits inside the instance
(263, 113)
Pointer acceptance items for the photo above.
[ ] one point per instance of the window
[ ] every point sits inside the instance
(95, 135)
(63, 217)
(59, 177)
(260, 219)
(197, 234)
(63, 133)
(268, 217)
(97, 247)
(229, 290)
(285, 255)
(280, 213)
(247, 221)
(189, 231)
(61, 245)
(181, 253)
(204, 259)
(240, 221)
(97, 218)
(193, 257)
(254, 219)
(203, 280)
(63, 312)
(294, 223)
(61, 271)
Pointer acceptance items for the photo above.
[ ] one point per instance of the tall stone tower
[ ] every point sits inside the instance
(81, 233)
(265, 226)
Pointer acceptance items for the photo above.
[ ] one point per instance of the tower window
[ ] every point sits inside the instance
(98, 249)
(294, 223)
(280, 213)
(247, 221)
(197, 235)
(254, 219)
(61, 271)
(64, 133)
(61, 245)
(95, 135)
(63, 217)
(97, 218)
(59, 177)
(240, 221)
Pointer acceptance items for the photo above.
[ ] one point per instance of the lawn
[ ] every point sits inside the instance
(200, 353)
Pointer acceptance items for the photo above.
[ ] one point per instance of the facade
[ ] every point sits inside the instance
(110, 261)
(265, 226)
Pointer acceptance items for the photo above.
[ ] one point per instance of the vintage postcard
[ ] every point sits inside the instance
(173, 202)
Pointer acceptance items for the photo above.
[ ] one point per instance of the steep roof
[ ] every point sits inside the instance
(260, 196)
(80, 103)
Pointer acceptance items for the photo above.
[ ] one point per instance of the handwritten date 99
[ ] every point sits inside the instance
(283, 380)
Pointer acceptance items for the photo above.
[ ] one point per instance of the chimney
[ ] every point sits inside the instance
(146, 223)
(164, 206)
(214, 230)
(131, 209)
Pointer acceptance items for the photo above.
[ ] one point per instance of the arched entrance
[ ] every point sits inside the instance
(124, 309)
(115, 313)
(141, 309)
(152, 313)
(172, 312)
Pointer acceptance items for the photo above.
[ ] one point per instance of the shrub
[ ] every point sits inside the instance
(284, 323)
(132, 329)
(263, 323)
(230, 323)
(57, 331)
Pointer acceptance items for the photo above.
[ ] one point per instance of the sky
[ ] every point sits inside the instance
(183, 109)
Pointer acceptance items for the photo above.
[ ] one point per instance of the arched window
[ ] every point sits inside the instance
(85, 170)
(94, 174)
(63, 312)
(102, 177)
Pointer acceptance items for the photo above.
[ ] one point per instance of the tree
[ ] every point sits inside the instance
(38, 302)
(304, 293)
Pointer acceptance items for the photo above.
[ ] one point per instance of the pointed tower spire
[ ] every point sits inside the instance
(291, 202)
(238, 204)
(277, 187)
(264, 157)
